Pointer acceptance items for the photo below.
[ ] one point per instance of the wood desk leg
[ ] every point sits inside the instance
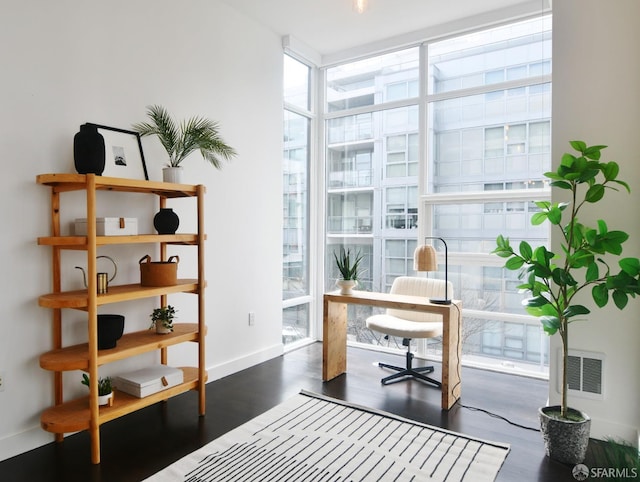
(451, 352)
(334, 340)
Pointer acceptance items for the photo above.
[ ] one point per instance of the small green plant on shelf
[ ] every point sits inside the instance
(104, 384)
(349, 268)
(163, 316)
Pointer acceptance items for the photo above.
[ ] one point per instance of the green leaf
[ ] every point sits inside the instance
(538, 218)
(551, 324)
(534, 311)
(620, 299)
(610, 170)
(600, 294)
(594, 193)
(588, 174)
(622, 183)
(580, 259)
(542, 255)
(562, 277)
(602, 227)
(612, 241)
(567, 160)
(553, 175)
(580, 146)
(554, 215)
(631, 266)
(593, 272)
(514, 263)
(525, 250)
(575, 310)
(549, 310)
(561, 185)
(536, 301)
(593, 152)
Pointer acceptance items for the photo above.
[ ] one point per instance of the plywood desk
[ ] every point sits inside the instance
(334, 331)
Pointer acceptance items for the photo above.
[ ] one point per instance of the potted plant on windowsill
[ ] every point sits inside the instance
(162, 319)
(105, 389)
(349, 270)
(555, 279)
(196, 133)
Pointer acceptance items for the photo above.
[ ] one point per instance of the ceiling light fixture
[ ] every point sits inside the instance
(359, 5)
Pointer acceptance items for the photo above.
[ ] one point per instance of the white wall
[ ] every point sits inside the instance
(71, 61)
(596, 98)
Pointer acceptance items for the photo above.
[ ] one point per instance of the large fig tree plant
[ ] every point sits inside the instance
(555, 280)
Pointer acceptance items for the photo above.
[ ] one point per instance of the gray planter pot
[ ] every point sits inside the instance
(564, 440)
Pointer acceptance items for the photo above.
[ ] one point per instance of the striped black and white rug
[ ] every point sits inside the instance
(313, 438)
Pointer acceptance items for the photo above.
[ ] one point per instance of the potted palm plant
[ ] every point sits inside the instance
(180, 140)
(555, 280)
(349, 270)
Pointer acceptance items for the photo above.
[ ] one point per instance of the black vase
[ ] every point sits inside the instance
(166, 221)
(110, 330)
(88, 150)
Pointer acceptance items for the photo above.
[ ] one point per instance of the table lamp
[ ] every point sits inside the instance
(424, 259)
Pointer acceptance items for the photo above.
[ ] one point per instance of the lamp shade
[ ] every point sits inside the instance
(424, 258)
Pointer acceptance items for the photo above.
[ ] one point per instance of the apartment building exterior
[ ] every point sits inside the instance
(453, 135)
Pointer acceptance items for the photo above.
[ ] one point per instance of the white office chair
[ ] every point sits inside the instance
(411, 324)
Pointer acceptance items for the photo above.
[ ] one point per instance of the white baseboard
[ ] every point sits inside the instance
(230, 367)
(603, 429)
(23, 442)
(35, 437)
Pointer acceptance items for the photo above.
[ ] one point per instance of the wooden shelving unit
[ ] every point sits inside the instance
(84, 413)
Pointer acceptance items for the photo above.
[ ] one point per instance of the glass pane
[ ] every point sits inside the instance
(296, 82)
(514, 51)
(295, 267)
(358, 84)
(473, 227)
(363, 247)
(295, 323)
(371, 184)
(468, 153)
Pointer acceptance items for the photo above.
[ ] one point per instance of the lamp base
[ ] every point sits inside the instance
(437, 301)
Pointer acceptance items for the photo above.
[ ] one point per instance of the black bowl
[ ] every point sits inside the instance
(110, 330)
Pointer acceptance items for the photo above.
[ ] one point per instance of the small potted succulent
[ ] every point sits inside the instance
(162, 319)
(105, 389)
(349, 270)
(180, 140)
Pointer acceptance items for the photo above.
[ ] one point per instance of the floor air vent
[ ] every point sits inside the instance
(585, 374)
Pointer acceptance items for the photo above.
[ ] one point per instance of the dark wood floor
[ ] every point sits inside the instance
(138, 445)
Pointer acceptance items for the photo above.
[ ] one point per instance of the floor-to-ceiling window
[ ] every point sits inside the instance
(296, 279)
(480, 129)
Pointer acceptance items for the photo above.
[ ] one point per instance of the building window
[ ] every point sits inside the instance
(295, 217)
(485, 145)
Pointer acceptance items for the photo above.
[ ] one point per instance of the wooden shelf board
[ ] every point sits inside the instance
(76, 182)
(79, 299)
(80, 242)
(76, 357)
(74, 416)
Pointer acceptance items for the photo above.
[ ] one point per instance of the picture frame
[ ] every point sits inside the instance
(123, 153)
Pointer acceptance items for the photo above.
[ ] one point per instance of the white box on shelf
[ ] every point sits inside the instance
(149, 380)
(108, 226)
